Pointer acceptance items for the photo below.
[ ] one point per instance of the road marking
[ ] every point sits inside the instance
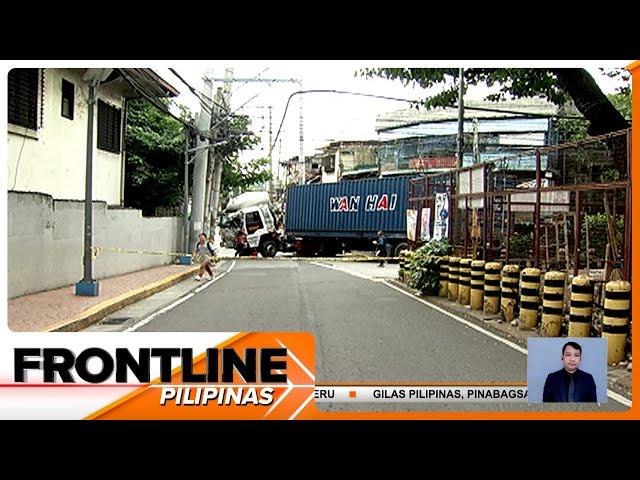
(212, 281)
(355, 274)
(610, 393)
(461, 320)
(619, 398)
(142, 323)
(145, 321)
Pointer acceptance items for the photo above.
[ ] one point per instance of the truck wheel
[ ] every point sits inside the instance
(269, 248)
(399, 248)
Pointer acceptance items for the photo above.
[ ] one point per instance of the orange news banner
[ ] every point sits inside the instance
(290, 400)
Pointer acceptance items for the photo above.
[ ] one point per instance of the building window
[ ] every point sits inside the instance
(67, 99)
(108, 127)
(23, 97)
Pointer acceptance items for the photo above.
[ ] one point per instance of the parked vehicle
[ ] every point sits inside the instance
(330, 218)
(252, 214)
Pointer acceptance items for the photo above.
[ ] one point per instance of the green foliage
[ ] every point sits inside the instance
(235, 131)
(598, 237)
(622, 102)
(520, 245)
(574, 130)
(424, 267)
(237, 178)
(610, 175)
(154, 157)
(622, 75)
(155, 143)
(571, 130)
(511, 82)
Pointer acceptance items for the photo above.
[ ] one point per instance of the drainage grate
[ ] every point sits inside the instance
(115, 320)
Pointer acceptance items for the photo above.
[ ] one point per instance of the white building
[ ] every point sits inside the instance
(47, 130)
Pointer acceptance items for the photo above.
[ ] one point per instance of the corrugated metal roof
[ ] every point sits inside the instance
(531, 106)
(511, 124)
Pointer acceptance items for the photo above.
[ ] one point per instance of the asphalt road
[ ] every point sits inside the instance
(365, 331)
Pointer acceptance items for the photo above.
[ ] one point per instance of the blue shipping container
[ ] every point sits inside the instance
(355, 208)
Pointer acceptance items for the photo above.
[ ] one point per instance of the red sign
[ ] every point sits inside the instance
(432, 161)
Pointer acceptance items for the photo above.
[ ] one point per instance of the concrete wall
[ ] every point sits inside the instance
(52, 159)
(45, 241)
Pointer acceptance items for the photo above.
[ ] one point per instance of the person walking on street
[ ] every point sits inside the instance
(203, 253)
(381, 247)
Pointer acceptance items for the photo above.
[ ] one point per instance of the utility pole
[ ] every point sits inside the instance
(275, 80)
(279, 182)
(200, 166)
(476, 142)
(211, 165)
(225, 100)
(185, 236)
(460, 148)
(301, 158)
(270, 154)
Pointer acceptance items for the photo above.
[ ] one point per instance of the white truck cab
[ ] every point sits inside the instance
(257, 220)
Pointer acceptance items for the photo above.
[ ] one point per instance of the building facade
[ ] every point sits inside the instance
(47, 130)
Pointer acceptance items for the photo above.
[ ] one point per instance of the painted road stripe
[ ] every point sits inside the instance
(355, 274)
(147, 320)
(142, 323)
(610, 393)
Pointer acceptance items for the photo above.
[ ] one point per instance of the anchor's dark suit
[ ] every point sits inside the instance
(557, 385)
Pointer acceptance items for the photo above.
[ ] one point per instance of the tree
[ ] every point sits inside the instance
(154, 157)
(237, 177)
(155, 142)
(556, 85)
(574, 130)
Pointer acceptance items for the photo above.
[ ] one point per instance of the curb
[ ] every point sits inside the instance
(612, 383)
(101, 310)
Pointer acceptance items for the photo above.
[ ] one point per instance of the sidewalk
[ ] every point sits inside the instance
(41, 311)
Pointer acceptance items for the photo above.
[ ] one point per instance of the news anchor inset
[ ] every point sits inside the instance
(570, 384)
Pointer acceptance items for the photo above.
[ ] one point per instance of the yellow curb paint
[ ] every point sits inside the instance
(99, 311)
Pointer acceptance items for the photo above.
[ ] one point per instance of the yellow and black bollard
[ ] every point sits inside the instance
(464, 294)
(477, 284)
(454, 268)
(552, 304)
(444, 276)
(529, 298)
(402, 262)
(581, 307)
(492, 288)
(617, 301)
(509, 292)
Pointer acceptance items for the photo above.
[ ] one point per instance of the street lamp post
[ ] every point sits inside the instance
(89, 286)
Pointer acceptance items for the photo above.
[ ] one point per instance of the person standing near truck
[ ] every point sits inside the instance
(241, 243)
(381, 247)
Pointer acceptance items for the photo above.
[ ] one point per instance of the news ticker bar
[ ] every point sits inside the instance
(414, 394)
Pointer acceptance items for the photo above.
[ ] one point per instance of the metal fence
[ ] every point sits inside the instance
(572, 212)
